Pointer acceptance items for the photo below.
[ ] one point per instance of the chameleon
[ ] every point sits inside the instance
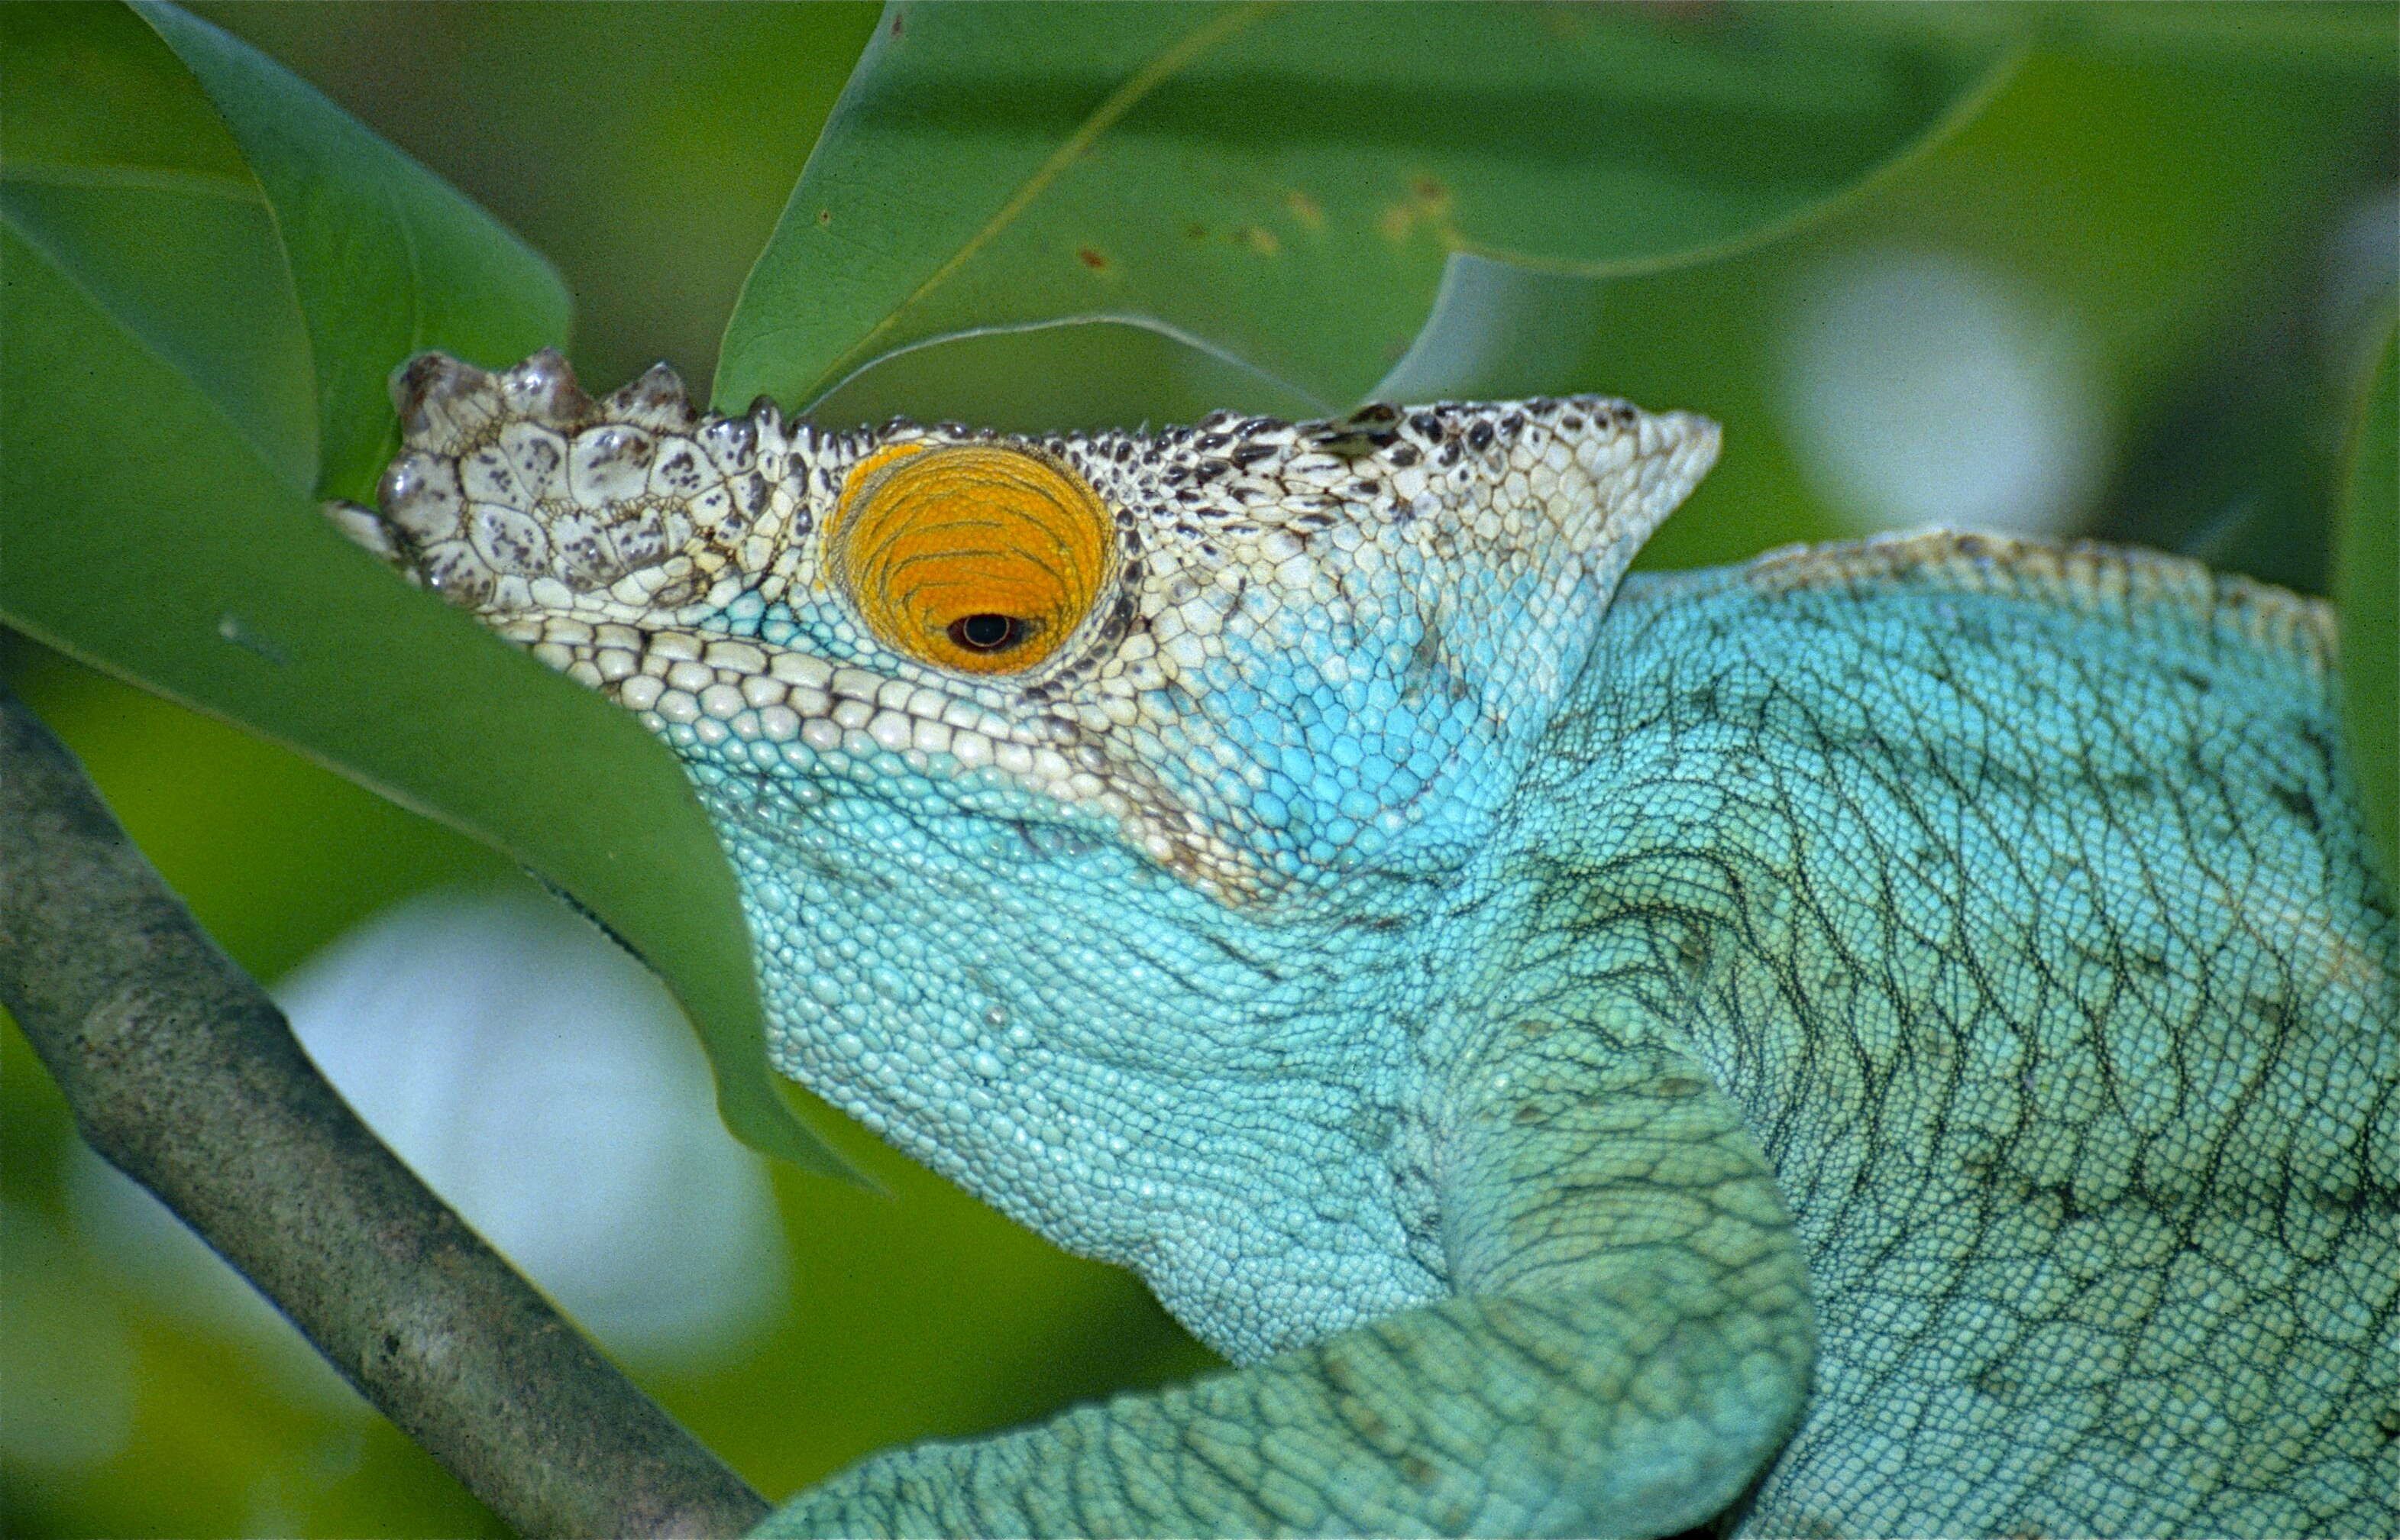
(1892, 1038)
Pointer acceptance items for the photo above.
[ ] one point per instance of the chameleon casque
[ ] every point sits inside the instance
(1892, 1038)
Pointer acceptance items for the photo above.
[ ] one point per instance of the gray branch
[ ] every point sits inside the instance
(181, 1072)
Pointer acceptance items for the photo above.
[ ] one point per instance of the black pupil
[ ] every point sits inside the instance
(988, 632)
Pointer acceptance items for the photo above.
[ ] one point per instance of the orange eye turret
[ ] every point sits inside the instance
(975, 558)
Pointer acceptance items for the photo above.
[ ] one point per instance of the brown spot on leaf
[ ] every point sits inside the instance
(1260, 239)
(1304, 209)
(1427, 203)
(1092, 259)
(824, 217)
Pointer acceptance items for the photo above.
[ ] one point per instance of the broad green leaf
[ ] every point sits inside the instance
(195, 273)
(2366, 585)
(1497, 330)
(85, 89)
(388, 261)
(1287, 184)
(113, 166)
(156, 521)
(2319, 38)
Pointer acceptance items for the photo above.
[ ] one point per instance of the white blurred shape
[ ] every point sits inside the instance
(1919, 389)
(543, 1083)
(2362, 267)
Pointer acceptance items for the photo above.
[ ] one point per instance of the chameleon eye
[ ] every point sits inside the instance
(988, 632)
(975, 558)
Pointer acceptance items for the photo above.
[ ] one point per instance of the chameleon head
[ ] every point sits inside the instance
(1268, 657)
(1074, 748)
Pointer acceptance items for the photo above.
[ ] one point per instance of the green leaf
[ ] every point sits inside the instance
(156, 521)
(2367, 587)
(388, 261)
(195, 275)
(2316, 37)
(1288, 185)
(116, 170)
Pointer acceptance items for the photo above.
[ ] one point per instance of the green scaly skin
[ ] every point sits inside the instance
(1890, 1039)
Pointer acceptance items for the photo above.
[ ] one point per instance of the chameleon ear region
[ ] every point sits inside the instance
(979, 558)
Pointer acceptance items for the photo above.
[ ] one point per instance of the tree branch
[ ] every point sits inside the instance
(181, 1072)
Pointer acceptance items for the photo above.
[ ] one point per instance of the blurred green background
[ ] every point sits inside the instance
(2127, 300)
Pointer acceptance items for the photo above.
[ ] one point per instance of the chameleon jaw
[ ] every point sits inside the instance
(778, 708)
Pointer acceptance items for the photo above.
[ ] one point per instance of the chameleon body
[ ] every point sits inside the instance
(1894, 1038)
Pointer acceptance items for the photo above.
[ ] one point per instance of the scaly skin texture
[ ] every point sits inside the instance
(1890, 1039)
